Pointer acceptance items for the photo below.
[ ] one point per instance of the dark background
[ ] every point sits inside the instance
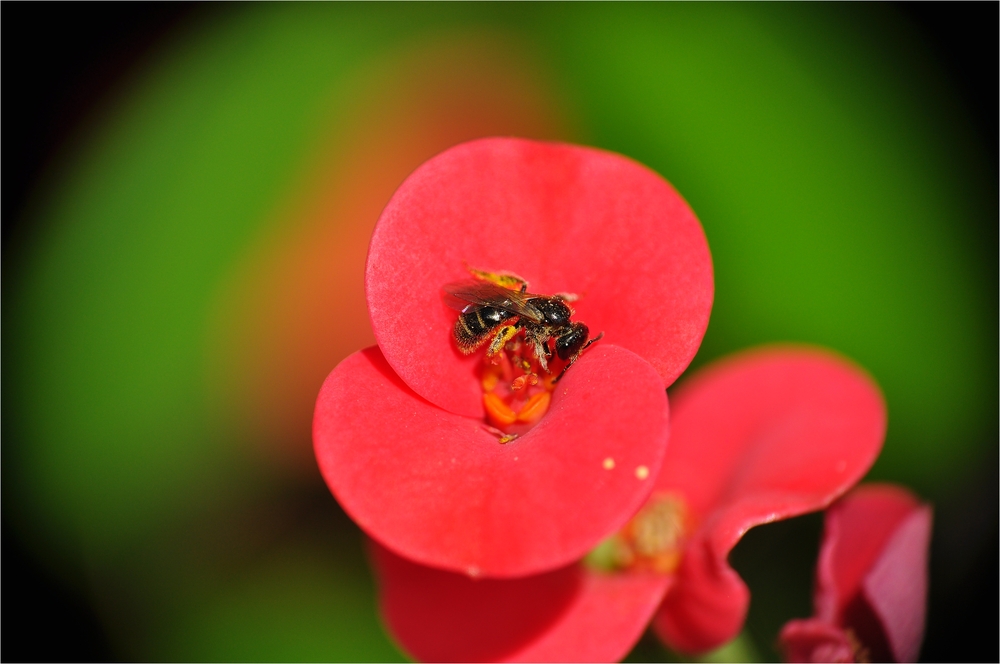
(60, 61)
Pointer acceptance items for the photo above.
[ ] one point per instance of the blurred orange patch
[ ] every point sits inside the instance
(294, 305)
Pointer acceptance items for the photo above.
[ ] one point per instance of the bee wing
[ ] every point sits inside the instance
(463, 295)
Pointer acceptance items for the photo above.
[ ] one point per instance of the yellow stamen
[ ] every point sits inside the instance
(655, 534)
(490, 380)
(652, 541)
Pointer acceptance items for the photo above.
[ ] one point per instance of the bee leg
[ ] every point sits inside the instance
(503, 335)
(541, 349)
(505, 279)
(543, 364)
(576, 356)
(567, 297)
(568, 365)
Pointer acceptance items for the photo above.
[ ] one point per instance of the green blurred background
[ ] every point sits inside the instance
(188, 193)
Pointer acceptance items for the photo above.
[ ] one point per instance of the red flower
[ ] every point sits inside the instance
(871, 581)
(400, 431)
(761, 436)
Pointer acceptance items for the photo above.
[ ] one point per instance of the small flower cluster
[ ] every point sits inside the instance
(516, 517)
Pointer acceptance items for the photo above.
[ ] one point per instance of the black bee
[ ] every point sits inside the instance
(497, 306)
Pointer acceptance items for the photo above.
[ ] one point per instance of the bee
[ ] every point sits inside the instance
(496, 306)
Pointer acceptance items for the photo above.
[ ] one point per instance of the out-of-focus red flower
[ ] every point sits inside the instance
(761, 436)
(572, 614)
(400, 430)
(871, 581)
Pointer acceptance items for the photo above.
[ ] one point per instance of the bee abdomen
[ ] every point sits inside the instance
(473, 327)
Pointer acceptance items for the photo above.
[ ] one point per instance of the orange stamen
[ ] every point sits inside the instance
(497, 411)
(516, 391)
(536, 406)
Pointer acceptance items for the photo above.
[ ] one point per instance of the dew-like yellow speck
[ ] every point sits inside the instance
(609, 463)
(642, 472)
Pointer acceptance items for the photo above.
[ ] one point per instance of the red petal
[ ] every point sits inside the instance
(707, 605)
(765, 435)
(567, 219)
(570, 614)
(872, 571)
(813, 640)
(439, 489)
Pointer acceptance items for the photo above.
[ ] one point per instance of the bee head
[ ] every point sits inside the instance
(571, 340)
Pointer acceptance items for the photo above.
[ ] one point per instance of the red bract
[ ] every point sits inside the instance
(767, 435)
(400, 431)
(871, 581)
(567, 219)
(439, 489)
(764, 435)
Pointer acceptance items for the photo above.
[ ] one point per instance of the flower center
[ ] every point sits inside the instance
(652, 541)
(516, 390)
